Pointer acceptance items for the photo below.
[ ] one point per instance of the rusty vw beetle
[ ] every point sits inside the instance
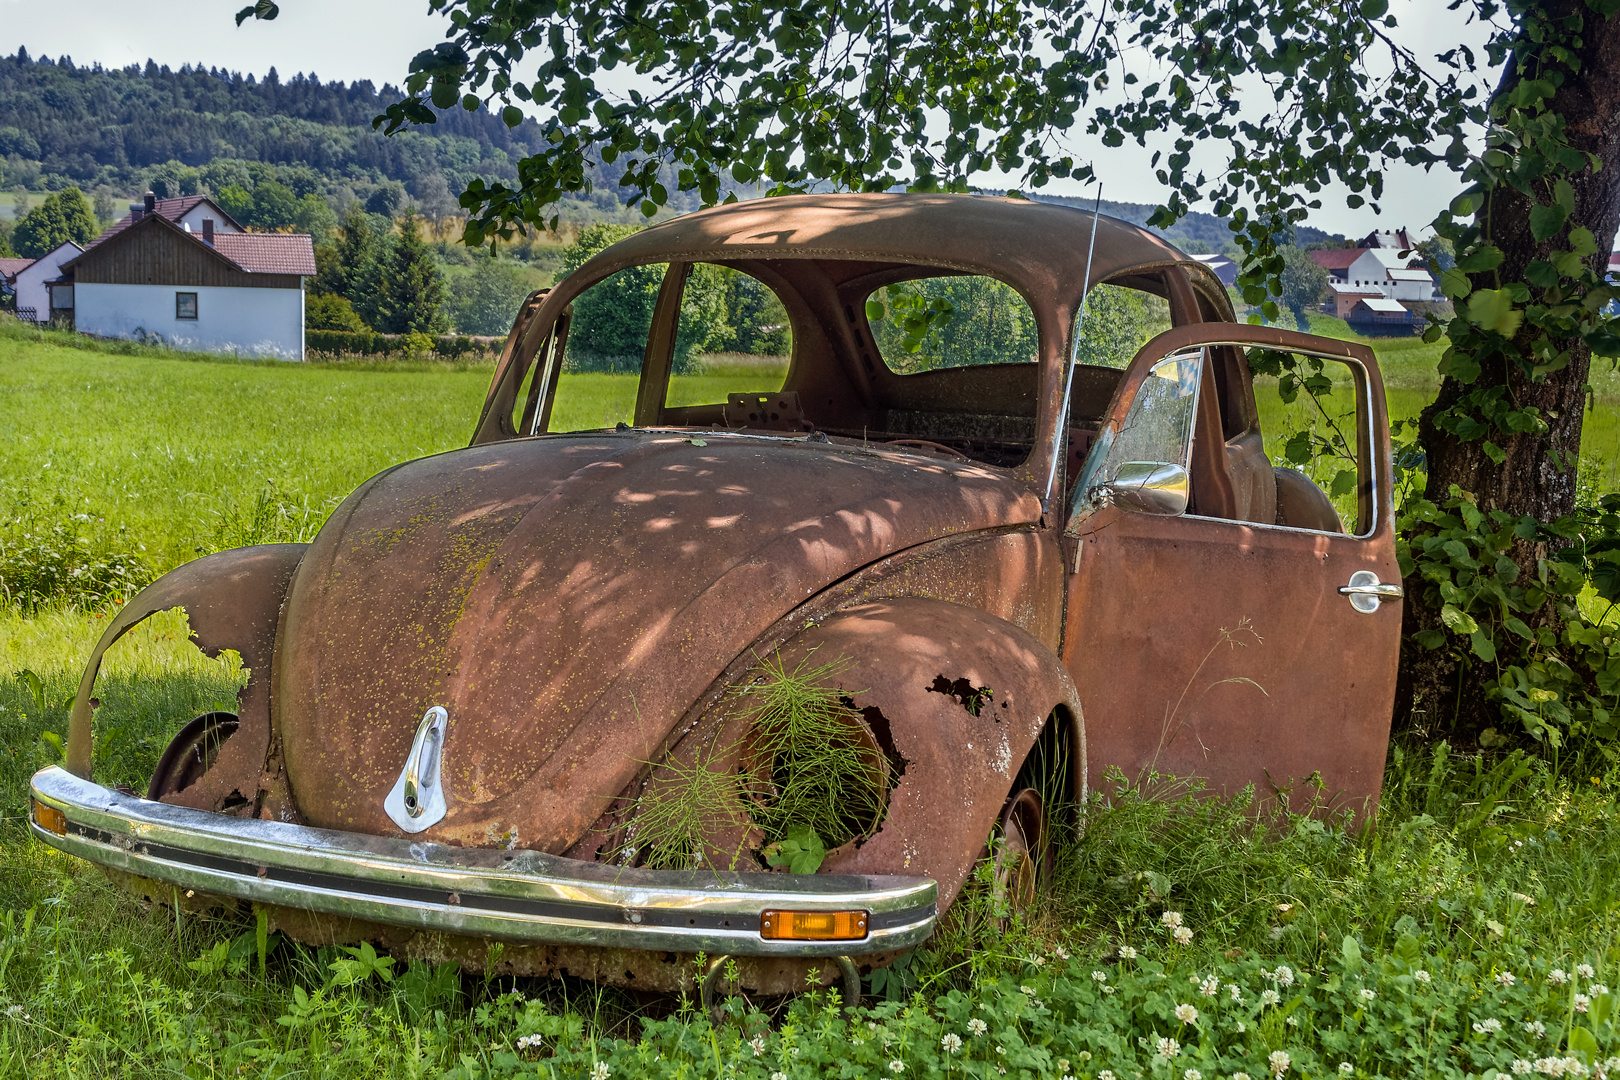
(989, 540)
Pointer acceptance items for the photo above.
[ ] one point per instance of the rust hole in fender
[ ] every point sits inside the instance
(970, 697)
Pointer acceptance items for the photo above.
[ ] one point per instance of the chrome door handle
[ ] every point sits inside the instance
(1366, 592)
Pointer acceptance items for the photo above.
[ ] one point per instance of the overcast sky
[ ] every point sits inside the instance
(375, 39)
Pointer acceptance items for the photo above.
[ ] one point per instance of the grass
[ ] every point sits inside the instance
(1477, 868)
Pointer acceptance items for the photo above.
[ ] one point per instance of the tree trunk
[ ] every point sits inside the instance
(1538, 476)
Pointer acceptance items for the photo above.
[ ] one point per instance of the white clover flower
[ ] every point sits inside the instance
(1550, 1066)
(1421, 976)
(1192, 1074)
(1582, 1003)
(1240, 1027)
(1279, 1062)
(1506, 978)
(758, 1043)
(1108, 989)
(1276, 933)
(530, 1042)
(1487, 1027)
(1346, 1069)
(1284, 975)
(1292, 1021)
(951, 1043)
(1285, 908)
(1367, 995)
(1030, 990)
(1036, 959)
(1106, 1074)
(1535, 1029)
(1182, 934)
(1558, 976)
(1186, 1013)
(1060, 952)
(1269, 997)
(1001, 1049)
(1209, 986)
(1240, 1076)
(1171, 919)
(1522, 1067)
(795, 1050)
(1085, 1056)
(1063, 1065)
(1597, 988)
(1168, 1047)
(14, 1010)
(1235, 992)
(1527, 901)
(1126, 953)
(778, 1076)
(977, 1026)
(1099, 976)
(600, 1071)
(1584, 971)
(897, 1067)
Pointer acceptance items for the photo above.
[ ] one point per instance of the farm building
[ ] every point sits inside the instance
(182, 271)
(30, 278)
(1377, 317)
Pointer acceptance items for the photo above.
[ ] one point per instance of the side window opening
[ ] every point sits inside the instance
(734, 337)
(1314, 418)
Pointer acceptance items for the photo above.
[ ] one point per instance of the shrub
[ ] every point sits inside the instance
(328, 311)
(48, 555)
(321, 344)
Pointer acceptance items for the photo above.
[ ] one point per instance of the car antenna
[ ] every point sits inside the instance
(1059, 444)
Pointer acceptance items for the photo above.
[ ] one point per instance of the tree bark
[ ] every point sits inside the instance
(1538, 475)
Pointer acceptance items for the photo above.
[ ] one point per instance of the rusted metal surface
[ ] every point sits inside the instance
(1221, 649)
(591, 608)
(233, 599)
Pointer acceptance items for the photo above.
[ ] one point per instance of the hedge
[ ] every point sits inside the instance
(347, 343)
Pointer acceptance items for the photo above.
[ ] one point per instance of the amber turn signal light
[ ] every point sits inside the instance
(812, 925)
(49, 817)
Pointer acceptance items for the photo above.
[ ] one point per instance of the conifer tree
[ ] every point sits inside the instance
(357, 271)
(413, 292)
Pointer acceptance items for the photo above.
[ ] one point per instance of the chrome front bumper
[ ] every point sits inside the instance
(519, 896)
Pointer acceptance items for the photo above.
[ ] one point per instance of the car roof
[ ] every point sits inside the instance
(1040, 248)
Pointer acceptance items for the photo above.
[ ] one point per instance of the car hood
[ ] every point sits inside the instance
(566, 599)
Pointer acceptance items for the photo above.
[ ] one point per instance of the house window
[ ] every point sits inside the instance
(185, 305)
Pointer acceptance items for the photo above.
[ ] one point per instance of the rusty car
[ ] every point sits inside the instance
(688, 656)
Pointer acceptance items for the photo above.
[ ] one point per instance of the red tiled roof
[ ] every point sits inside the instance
(172, 209)
(13, 267)
(1336, 258)
(268, 253)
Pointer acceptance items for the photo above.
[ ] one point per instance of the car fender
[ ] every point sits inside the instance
(233, 599)
(956, 697)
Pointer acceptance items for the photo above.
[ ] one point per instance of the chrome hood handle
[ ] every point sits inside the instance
(416, 801)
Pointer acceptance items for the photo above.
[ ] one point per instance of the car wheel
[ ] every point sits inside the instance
(1022, 855)
(191, 753)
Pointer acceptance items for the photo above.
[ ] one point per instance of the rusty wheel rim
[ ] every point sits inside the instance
(1020, 854)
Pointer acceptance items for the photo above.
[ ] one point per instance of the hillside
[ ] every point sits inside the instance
(125, 129)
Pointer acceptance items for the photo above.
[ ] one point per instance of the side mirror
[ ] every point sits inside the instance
(1148, 487)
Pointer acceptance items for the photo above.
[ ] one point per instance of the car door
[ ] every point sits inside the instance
(1208, 627)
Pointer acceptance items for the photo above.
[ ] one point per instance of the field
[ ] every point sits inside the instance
(1447, 941)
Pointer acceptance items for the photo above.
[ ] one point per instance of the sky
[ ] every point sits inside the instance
(375, 39)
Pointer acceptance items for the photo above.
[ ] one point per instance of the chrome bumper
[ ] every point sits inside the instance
(519, 896)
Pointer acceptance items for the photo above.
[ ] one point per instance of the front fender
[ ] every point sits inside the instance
(908, 662)
(233, 599)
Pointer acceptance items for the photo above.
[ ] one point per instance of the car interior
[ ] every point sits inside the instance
(926, 359)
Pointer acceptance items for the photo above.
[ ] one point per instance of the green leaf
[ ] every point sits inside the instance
(1458, 620)
(1547, 221)
(1409, 952)
(1455, 284)
(1350, 953)
(1584, 1042)
(1492, 309)
(799, 852)
(1482, 646)
(1343, 483)
(1481, 259)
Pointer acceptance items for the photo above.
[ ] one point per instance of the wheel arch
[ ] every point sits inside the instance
(958, 698)
(233, 600)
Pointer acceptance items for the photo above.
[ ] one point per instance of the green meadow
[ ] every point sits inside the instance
(1470, 932)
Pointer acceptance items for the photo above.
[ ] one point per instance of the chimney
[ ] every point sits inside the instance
(151, 202)
(136, 212)
(208, 231)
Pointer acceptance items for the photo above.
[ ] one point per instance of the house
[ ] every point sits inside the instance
(1363, 271)
(9, 268)
(182, 271)
(1381, 318)
(1224, 268)
(1344, 297)
(31, 281)
(1399, 239)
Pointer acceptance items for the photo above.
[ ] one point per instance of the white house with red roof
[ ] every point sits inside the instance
(1356, 274)
(28, 279)
(181, 271)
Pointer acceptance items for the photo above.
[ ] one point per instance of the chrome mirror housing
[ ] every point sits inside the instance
(1147, 487)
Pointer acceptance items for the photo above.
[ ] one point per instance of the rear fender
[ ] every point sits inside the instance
(233, 599)
(956, 697)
